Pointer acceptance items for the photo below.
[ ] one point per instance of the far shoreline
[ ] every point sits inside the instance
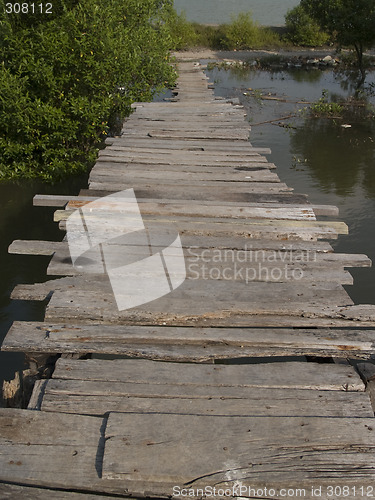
(199, 53)
(241, 55)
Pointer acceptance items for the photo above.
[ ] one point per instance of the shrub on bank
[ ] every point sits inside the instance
(183, 32)
(65, 79)
(242, 33)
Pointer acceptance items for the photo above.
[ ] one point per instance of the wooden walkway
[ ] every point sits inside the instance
(261, 281)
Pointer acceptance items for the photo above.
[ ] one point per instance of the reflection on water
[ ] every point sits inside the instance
(332, 164)
(340, 160)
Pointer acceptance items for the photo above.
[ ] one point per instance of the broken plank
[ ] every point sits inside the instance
(55, 451)
(36, 247)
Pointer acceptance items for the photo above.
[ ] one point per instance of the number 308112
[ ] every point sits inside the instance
(28, 8)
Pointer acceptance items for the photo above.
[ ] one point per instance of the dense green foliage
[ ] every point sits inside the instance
(244, 33)
(350, 22)
(303, 30)
(182, 31)
(66, 78)
(240, 34)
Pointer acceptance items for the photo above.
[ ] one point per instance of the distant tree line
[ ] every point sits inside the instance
(67, 76)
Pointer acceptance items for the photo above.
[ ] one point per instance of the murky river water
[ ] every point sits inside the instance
(334, 165)
(20, 220)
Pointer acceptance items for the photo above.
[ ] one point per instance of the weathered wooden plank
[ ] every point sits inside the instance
(254, 199)
(264, 250)
(91, 298)
(182, 164)
(99, 398)
(243, 450)
(69, 455)
(130, 176)
(249, 228)
(204, 210)
(36, 247)
(227, 269)
(190, 344)
(251, 186)
(279, 375)
(192, 144)
(206, 195)
(37, 395)
(13, 491)
(49, 450)
(222, 266)
(78, 201)
(367, 372)
(182, 127)
(55, 451)
(150, 152)
(186, 135)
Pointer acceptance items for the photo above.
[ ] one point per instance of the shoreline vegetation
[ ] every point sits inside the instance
(68, 80)
(299, 42)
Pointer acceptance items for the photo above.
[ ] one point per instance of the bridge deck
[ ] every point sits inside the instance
(195, 397)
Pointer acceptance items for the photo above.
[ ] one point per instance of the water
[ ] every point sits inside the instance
(20, 220)
(265, 12)
(332, 164)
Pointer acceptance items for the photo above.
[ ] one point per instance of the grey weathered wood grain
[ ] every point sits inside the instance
(37, 395)
(367, 372)
(197, 344)
(37, 448)
(36, 247)
(150, 152)
(55, 451)
(92, 299)
(243, 449)
(203, 210)
(245, 197)
(279, 375)
(215, 134)
(262, 249)
(218, 186)
(99, 398)
(12, 492)
(277, 271)
(128, 176)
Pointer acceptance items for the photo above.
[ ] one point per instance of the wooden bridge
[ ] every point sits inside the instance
(261, 282)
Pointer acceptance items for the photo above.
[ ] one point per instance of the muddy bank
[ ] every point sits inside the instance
(296, 57)
(240, 55)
